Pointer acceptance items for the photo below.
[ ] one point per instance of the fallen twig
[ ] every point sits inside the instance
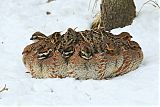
(152, 2)
(3, 89)
(50, 1)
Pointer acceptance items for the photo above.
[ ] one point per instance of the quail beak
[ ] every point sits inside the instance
(31, 38)
(23, 52)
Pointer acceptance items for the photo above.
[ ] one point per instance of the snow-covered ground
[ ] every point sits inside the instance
(19, 19)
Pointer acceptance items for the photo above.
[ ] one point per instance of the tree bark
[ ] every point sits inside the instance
(117, 13)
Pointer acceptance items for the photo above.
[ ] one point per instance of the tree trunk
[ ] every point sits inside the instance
(117, 13)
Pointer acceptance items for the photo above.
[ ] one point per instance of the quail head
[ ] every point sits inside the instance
(67, 52)
(125, 36)
(55, 37)
(44, 53)
(38, 36)
(70, 37)
(134, 45)
(86, 51)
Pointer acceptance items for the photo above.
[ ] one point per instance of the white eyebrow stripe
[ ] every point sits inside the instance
(66, 53)
(86, 57)
(84, 53)
(40, 54)
(45, 53)
(41, 57)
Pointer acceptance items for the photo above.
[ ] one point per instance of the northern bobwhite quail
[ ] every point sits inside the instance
(89, 54)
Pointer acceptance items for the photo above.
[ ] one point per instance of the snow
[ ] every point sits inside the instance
(19, 19)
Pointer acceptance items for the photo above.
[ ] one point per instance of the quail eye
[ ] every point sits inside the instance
(135, 47)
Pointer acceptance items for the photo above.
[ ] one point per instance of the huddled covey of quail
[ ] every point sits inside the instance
(89, 54)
